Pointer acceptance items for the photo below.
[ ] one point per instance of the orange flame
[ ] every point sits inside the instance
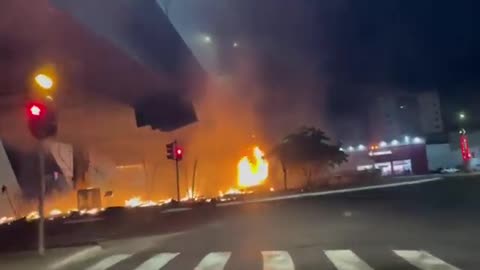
(251, 174)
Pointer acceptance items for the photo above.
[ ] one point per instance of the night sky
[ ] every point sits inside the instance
(349, 45)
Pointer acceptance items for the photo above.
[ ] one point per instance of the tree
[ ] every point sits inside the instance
(307, 148)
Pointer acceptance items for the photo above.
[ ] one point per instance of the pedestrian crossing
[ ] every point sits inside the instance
(278, 260)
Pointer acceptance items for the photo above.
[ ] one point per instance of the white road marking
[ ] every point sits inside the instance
(346, 260)
(109, 261)
(75, 257)
(214, 261)
(424, 260)
(329, 192)
(277, 260)
(158, 261)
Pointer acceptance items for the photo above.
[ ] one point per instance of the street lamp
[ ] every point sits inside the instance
(461, 116)
(207, 39)
(44, 81)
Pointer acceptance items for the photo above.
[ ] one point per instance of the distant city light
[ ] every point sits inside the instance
(361, 147)
(395, 142)
(235, 44)
(417, 140)
(383, 144)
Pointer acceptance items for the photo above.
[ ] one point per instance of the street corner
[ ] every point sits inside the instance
(55, 258)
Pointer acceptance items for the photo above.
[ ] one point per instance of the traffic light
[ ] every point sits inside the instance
(174, 152)
(178, 153)
(41, 120)
(170, 150)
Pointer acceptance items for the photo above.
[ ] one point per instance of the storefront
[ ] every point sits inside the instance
(392, 159)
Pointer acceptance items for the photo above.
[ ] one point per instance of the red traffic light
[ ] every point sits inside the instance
(178, 153)
(35, 109)
(41, 120)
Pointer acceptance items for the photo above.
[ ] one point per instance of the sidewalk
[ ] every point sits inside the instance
(53, 259)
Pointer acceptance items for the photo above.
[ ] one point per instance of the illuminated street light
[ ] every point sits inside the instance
(207, 39)
(44, 81)
(395, 142)
(235, 44)
(382, 144)
(461, 116)
(407, 139)
(361, 147)
(417, 140)
(351, 149)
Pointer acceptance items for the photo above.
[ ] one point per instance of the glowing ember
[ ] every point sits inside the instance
(93, 211)
(55, 212)
(133, 202)
(138, 202)
(251, 174)
(148, 204)
(233, 191)
(32, 216)
(5, 220)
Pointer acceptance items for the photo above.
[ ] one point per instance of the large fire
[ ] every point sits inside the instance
(254, 173)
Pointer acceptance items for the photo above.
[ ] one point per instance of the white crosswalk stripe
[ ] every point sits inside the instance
(109, 261)
(157, 262)
(214, 261)
(424, 260)
(277, 260)
(346, 260)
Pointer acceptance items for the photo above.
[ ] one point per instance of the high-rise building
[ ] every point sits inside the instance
(393, 115)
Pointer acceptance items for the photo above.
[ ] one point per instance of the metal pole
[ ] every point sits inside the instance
(193, 177)
(178, 180)
(41, 200)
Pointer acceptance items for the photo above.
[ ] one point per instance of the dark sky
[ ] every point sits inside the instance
(350, 43)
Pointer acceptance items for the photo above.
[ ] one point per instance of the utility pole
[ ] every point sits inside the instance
(193, 176)
(41, 199)
(42, 123)
(178, 180)
(175, 152)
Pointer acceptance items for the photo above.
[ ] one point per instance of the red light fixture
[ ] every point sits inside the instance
(178, 153)
(35, 110)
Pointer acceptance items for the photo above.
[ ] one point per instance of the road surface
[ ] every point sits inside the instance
(429, 226)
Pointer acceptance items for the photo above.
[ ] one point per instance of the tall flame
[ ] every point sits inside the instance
(252, 173)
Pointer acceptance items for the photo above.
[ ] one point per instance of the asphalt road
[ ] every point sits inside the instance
(429, 226)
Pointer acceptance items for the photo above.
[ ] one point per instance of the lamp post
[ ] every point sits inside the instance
(44, 82)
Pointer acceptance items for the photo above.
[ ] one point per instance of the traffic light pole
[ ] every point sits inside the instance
(41, 200)
(178, 180)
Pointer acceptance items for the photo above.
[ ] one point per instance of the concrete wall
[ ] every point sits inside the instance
(443, 156)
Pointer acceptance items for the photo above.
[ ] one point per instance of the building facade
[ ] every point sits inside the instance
(399, 114)
(404, 156)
